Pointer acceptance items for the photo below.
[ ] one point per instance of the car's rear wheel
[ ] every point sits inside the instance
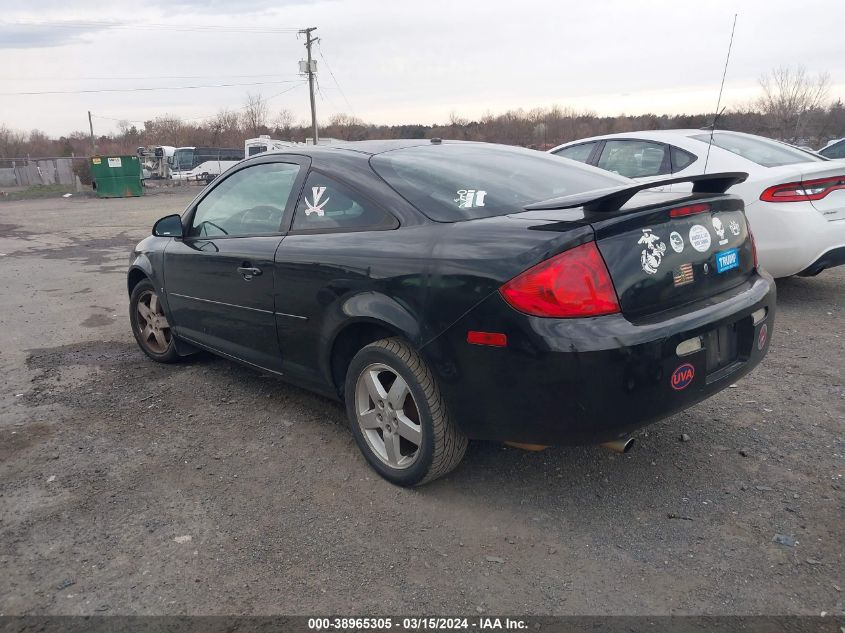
(150, 325)
(398, 416)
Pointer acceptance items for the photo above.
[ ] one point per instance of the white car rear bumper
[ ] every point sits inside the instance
(792, 237)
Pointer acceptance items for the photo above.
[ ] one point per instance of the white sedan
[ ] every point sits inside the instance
(794, 200)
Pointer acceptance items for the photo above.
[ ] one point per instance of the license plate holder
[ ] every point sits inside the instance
(721, 347)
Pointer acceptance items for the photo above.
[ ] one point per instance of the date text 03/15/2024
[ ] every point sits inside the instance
(417, 623)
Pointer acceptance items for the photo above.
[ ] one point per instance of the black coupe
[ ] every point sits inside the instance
(450, 291)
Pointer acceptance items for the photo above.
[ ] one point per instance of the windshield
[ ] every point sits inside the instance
(183, 159)
(759, 150)
(465, 181)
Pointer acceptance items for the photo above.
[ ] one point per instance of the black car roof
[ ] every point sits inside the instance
(368, 148)
(377, 147)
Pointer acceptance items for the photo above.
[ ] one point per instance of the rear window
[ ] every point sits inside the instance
(465, 181)
(762, 151)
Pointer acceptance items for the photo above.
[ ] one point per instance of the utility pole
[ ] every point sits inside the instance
(91, 128)
(309, 69)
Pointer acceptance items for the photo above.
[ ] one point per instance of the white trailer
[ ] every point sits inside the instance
(264, 143)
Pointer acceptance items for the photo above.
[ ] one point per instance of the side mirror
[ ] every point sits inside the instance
(168, 226)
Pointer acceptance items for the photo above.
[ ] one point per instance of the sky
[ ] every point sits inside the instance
(400, 61)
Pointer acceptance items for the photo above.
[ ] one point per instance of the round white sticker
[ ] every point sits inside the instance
(676, 241)
(699, 237)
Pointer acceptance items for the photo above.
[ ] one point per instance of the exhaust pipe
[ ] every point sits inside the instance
(620, 446)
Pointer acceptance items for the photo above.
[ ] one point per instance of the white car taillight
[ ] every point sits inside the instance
(803, 191)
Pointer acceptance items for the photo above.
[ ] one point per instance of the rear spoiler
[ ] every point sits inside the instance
(614, 198)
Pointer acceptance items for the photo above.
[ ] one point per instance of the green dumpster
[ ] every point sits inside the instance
(116, 176)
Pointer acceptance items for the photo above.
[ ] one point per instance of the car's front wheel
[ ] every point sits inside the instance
(150, 325)
(398, 416)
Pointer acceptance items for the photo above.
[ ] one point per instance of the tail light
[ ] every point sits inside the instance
(803, 191)
(690, 209)
(753, 246)
(575, 283)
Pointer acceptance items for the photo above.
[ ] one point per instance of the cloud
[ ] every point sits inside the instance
(46, 35)
(397, 62)
(224, 7)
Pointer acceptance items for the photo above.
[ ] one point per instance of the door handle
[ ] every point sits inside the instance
(248, 272)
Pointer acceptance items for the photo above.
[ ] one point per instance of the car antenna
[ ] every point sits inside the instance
(719, 100)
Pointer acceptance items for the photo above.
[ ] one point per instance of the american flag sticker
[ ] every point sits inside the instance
(683, 275)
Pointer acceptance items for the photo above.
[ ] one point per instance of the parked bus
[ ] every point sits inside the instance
(202, 163)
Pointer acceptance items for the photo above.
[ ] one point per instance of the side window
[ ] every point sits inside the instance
(681, 159)
(837, 150)
(249, 202)
(635, 159)
(327, 205)
(578, 152)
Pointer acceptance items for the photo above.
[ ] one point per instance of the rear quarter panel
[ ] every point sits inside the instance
(416, 280)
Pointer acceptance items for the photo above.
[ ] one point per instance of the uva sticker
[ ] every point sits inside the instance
(682, 377)
(761, 338)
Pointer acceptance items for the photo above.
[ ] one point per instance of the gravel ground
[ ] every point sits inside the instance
(128, 487)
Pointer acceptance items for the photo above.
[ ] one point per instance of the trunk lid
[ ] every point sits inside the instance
(663, 250)
(658, 262)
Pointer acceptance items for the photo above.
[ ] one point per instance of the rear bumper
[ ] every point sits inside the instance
(584, 381)
(792, 236)
(833, 257)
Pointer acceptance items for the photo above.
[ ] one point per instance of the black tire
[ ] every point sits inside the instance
(442, 444)
(162, 354)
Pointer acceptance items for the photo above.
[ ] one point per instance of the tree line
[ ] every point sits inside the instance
(793, 106)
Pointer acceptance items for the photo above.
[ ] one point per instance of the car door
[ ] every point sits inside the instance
(219, 278)
(335, 234)
(638, 159)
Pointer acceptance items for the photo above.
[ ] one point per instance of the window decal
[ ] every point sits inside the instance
(699, 237)
(683, 275)
(720, 231)
(316, 206)
(470, 198)
(676, 241)
(653, 252)
(734, 227)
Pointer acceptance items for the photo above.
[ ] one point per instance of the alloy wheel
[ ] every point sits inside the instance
(153, 328)
(388, 416)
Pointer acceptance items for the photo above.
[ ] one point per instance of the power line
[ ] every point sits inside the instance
(148, 89)
(194, 28)
(70, 78)
(302, 82)
(343, 94)
(323, 96)
(209, 116)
